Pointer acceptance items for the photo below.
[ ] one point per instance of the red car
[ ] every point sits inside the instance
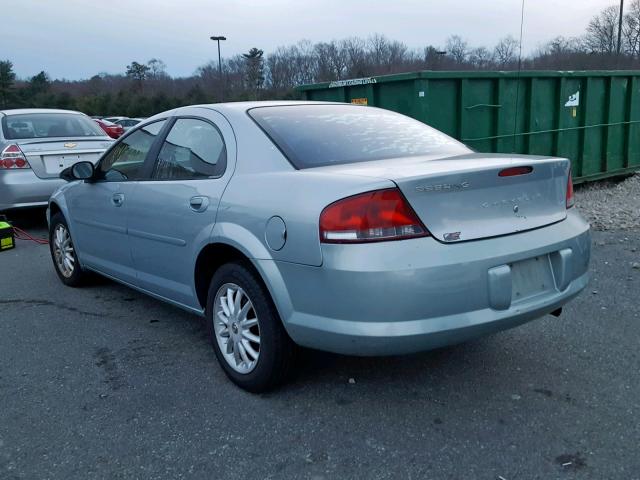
(112, 129)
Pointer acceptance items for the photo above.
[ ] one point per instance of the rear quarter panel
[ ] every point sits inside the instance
(297, 196)
(265, 184)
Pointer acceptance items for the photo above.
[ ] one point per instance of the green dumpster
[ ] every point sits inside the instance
(590, 117)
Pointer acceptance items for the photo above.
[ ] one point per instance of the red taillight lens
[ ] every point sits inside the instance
(570, 197)
(13, 158)
(370, 217)
(514, 171)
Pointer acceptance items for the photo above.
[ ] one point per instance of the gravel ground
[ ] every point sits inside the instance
(610, 204)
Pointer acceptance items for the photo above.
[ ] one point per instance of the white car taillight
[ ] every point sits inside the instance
(13, 158)
(370, 217)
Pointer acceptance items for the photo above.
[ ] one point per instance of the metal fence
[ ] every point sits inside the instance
(590, 117)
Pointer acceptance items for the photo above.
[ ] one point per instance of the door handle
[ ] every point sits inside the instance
(199, 204)
(117, 199)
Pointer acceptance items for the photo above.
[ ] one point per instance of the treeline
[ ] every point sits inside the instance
(146, 88)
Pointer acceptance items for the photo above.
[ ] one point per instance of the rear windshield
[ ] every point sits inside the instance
(47, 125)
(320, 135)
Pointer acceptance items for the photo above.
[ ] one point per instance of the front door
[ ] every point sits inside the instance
(172, 214)
(100, 209)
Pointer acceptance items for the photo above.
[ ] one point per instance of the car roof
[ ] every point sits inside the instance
(244, 106)
(240, 107)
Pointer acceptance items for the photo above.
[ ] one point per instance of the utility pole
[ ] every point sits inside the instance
(218, 39)
(620, 27)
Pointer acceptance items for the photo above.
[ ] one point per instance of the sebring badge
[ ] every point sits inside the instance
(443, 187)
(70, 145)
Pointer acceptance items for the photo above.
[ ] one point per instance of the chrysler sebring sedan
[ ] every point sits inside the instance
(338, 227)
(36, 145)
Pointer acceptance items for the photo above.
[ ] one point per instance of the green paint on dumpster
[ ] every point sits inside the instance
(511, 112)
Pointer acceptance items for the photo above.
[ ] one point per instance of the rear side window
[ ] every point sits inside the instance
(320, 135)
(193, 149)
(126, 160)
(128, 123)
(49, 125)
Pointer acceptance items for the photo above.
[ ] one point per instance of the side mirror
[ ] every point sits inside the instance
(78, 171)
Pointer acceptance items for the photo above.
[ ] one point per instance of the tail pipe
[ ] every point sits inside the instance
(557, 312)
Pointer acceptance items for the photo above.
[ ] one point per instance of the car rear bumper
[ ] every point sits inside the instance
(402, 297)
(23, 189)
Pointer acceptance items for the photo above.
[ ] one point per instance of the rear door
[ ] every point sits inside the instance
(100, 209)
(172, 215)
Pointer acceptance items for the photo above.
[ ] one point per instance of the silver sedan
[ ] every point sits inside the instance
(338, 227)
(36, 145)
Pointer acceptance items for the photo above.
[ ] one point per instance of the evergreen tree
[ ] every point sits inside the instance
(138, 72)
(254, 72)
(7, 79)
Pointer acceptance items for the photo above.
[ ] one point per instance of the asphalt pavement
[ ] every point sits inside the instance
(104, 382)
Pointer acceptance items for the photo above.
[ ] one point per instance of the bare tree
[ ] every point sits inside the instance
(631, 29)
(457, 48)
(398, 55)
(157, 68)
(561, 46)
(378, 48)
(602, 31)
(331, 60)
(356, 53)
(291, 66)
(280, 68)
(433, 57)
(481, 58)
(234, 72)
(505, 52)
(208, 74)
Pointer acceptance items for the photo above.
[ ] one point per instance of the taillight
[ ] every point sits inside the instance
(13, 158)
(370, 217)
(570, 197)
(513, 171)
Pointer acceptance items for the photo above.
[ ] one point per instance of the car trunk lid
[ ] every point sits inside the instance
(465, 197)
(48, 157)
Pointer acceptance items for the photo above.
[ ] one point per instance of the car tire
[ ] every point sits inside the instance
(275, 350)
(69, 271)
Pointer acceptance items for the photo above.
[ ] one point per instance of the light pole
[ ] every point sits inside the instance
(620, 26)
(218, 39)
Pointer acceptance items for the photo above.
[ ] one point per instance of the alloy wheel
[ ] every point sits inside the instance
(236, 328)
(63, 251)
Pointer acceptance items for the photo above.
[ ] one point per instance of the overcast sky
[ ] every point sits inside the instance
(76, 39)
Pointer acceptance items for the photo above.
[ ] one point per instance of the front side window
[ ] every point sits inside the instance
(49, 125)
(126, 160)
(193, 149)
